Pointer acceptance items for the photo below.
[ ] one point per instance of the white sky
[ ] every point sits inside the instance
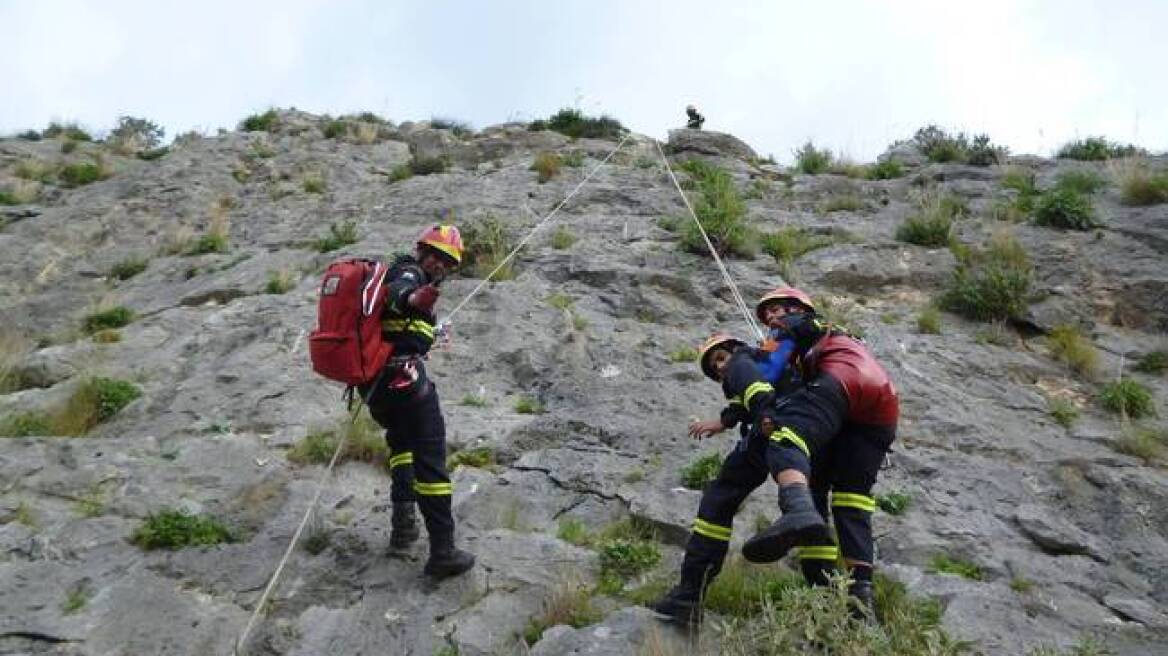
(853, 76)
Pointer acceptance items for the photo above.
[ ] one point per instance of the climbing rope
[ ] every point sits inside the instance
(738, 300)
(542, 222)
(242, 640)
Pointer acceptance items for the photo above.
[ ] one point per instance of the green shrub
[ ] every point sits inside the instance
(810, 160)
(115, 317)
(626, 558)
(335, 128)
(136, 134)
(82, 173)
(29, 135)
(547, 165)
(1069, 346)
(481, 457)
(1097, 149)
(797, 620)
(894, 503)
(560, 301)
(474, 401)
(669, 223)
(314, 184)
(339, 236)
(428, 166)
(75, 600)
(68, 146)
(1021, 584)
(95, 400)
(1083, 181)
(128, 268)
(1127, 397)
(983, 153)
(721, 211)
(112, 395)
(487, 242)
(1020, 179)
(563, 238)
(792, 242)
(401, 172)
(1153, 362)
(1146, 443)
(575, 159)
(942, 564)
(889, 169)
(743, 590)
(1063, 411)
(683, 354)
(265, 122)
(525, 405)
(70, 131)
(1065, 208)
(279, 282)
(175, 529)
(940, 146)
(212, 241)
(459, 128)
(700, 472)
(932, 225)
(26, 424)
(1140, 187)
(574, 123)
(990, 285)
(929, 321)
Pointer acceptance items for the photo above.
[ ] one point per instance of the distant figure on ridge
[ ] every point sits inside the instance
(695, 119)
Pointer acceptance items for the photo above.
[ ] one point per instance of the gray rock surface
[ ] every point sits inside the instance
(707, 142)
(227, 390)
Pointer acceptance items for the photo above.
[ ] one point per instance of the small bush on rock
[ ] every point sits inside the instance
(699, 473)
(894, 503)
(69, 131)
(547, 165)
(1083, 181)
(929, 321)
(1068, 345)
(932, 225)
(1065, 208)
(1139, 186)
(1146, 443)
(567, 605)
(942, 564)
(132, 135)
(811, 160)
(428, 166)
(128, 268)
(1097, 149)
(265, 122)
(115, 317)
(563, 238)
(1127, 397)
(82, 173)
(626, 558)
(1154, 362)
(96, 400)
(721, 211)
(482, 457)
(175, 529)
(574, 123)
(990, 285)
(1063, 411)
(339, 236)
(26, 424)
(525, 405)
(487, 242)
(791, 242)
(889, 169)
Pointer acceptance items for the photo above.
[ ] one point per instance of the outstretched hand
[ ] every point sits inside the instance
(700, 429)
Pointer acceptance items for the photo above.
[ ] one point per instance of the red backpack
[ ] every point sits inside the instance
(347, 345)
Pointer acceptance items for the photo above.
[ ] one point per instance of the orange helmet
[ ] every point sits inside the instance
(445, 239)
(781, 294)
(718, 340)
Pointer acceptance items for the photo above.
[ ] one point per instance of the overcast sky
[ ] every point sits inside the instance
(852, 76)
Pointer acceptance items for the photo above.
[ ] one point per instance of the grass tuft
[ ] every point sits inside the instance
(1095, 149)
(1063, 411)
(929, 321)
(887, 170)
(1144, 442)
(894, 503)
(363, 443)
(525, 405)
(481, 457)
(1083, 181)
(792, 242)
(685, 354)
(811, 160)
(339, 236)
(701, 471)
(1139, 186)
(487, 242)
(115, 317)
(1067, 208)
(560, 301)
(26, 424)
(991, 284)
(571, 605)
(1069, 346)
(1153, 362)
(575, 124)
(315, 184)
(842, 203)
(943, 564)
(573, 531)
(1127, 397)
(563, 238)
(547, 165)
(128, 268)
(721, 211)
(175, 529)
(932, 225)
(279, 282)
(265, 122)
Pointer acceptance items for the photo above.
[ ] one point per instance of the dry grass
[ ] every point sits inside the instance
(21, 192)
(1069, 346)
(13, 348)
(569, 603)
(1138, 184)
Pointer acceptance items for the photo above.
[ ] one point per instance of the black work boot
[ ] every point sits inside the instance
(862, 601)
(681, 605)
(446, 560)
(800, 525)
(403, 525)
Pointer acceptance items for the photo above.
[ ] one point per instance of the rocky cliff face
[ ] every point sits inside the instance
(1070, 534)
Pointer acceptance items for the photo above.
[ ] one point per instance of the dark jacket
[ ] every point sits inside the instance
(410, 330)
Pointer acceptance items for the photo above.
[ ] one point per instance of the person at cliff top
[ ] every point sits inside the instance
(695, 119)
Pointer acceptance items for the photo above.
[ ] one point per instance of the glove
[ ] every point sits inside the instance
(423, 298)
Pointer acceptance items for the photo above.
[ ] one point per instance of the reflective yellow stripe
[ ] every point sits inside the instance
(737, 400)
(434, 489)
(408, 325)
(405, 458)
(712, 531)
(785, 433)
(851, 500)
(818, 553)
(759, 387)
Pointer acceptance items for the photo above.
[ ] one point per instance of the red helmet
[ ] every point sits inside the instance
(718, 340)
(445, 239)
(783, 294)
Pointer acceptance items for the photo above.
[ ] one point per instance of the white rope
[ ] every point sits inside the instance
(531, 233)
(738, 300)
(242, 640)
